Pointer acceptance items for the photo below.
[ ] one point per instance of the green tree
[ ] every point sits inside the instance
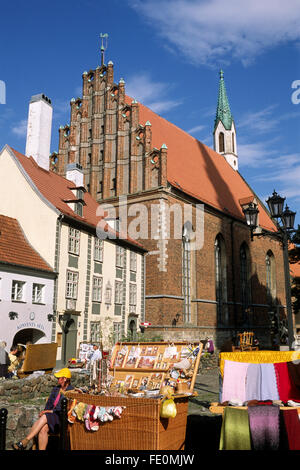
(294, 256)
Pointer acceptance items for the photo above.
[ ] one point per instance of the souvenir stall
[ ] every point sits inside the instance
(142, 402)
(259, 400)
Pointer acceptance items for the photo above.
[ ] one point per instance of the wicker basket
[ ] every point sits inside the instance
(140, 426)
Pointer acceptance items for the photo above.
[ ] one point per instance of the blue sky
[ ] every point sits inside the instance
(169, 52)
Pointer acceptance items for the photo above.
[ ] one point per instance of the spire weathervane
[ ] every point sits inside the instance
(103, 37)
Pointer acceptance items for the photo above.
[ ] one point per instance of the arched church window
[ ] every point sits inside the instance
(221, 280)
(245, 282)
(186, 270)
(221, 142)
(270, 277)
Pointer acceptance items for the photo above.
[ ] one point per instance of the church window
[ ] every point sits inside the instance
(270, 277)
(245, 282)
(186, 270)
(221, 280)
(221, 142)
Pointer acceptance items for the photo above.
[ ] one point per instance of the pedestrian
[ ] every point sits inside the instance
(4, 360)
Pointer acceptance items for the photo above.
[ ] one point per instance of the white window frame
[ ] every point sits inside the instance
(38, 293)
(98, 249)
(72, 284)
(120, 256)
(18, 291)
(132, 297)
(133, 261)
(74, 241)
(119, 292)
(97, 289)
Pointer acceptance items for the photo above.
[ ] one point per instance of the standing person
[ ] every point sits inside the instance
(4, 361)
(96, 354)
(14, 361)
(49, 420)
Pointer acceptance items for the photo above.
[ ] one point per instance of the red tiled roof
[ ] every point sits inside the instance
(57, 190)
(199, 171)
(14, 247)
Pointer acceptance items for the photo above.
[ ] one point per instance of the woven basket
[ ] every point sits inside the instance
(140, 426)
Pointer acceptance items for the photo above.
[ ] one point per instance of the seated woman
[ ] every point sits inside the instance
(49, 420)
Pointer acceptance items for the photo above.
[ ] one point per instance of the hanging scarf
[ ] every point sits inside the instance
(235, 432)
(234, 381)
(269, 388)
(264, 427)
(287, 390)
(292, 428)
(253, 382)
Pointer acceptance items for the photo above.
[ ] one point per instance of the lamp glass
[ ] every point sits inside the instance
(275, 204)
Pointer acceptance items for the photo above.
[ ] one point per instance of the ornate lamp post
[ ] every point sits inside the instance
(287, 217)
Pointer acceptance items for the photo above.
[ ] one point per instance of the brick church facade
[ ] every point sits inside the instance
(184, 202)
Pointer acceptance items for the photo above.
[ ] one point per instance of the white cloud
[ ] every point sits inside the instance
(20, 129)
(206, 31)
(150, 93)
(196, 129)
(264, 120)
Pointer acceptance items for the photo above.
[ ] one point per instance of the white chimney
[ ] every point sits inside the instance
(74, 173)
(39, 130)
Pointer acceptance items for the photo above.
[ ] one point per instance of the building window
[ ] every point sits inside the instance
(38, 293)
(221, 281)
(245, 281)
(118, 292)
(98, 249)
(132, 298)
(133, 259)
(18, 291)
(233, 149)
(270, 278)
(120, 256)
(97, 289)
(117, 334)
(79, 208)
(72, 285)
(186, 271)
(95, 332)
(221, 143)
(74, 241)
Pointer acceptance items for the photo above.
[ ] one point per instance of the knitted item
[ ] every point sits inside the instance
(264, 427)
(269, 388)
(286, 388)
(253, 382)
(234, 381)
(235, 432)
(292, 427)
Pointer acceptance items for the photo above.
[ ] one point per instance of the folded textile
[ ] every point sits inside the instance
(235, 431)
(293, 403)
(234, 381)
(264, 427)
(294, 374)
(292, 427)
(286, 388)
(269, 387)
(253, 382)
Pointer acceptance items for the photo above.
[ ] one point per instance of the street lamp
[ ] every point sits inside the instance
(276, 204)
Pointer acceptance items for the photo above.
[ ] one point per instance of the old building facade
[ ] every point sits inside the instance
(184, 202)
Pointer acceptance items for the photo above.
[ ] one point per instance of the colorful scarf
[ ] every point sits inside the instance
(234, 381)
(264, 427)
(269, 388)
(235, 432)
(292, 427)
(286, 388)
(253, 382)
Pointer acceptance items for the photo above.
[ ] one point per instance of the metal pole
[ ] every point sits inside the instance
(63, 424)
(3, 420)
(288, 295)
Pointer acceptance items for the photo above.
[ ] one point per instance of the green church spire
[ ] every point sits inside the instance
(223, 109)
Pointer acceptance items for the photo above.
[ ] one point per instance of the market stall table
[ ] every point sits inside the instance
(145, 369)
